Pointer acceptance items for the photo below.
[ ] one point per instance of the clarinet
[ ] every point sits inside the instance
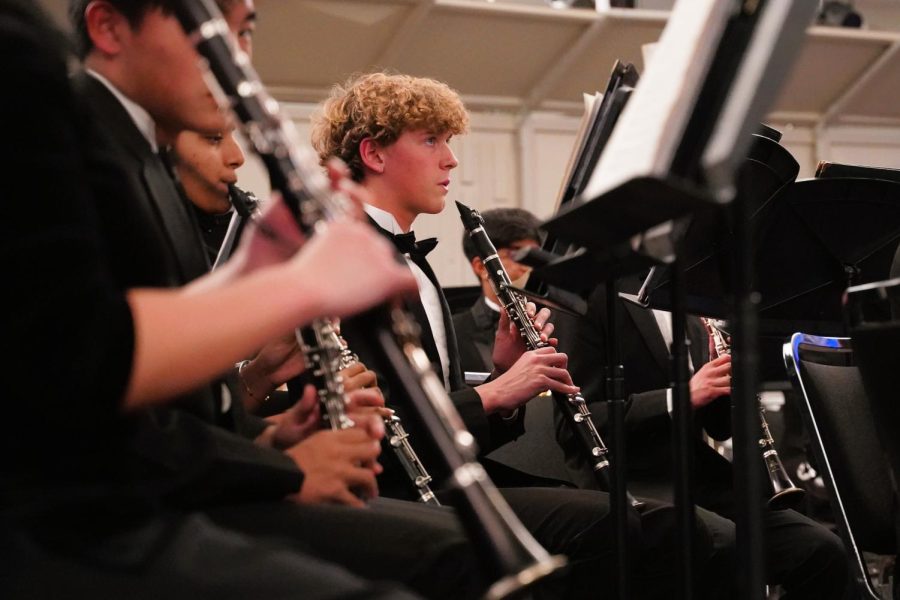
(323, 360)
(514, 558)
(398, 438)
(784, 493)
(322, 352)
(572, 405)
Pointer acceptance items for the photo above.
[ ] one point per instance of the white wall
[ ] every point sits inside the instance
(507, 161)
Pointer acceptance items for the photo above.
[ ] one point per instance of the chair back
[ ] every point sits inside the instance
(839, 420)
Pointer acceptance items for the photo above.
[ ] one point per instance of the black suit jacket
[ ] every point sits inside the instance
(490, 431)
(202, 454)
(149, 181)
(648, 424)
(475, 332)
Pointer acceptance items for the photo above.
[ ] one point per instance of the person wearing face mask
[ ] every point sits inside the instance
(511, 229)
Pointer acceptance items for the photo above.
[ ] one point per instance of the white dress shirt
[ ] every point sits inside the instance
(664, 321)
(428, 294)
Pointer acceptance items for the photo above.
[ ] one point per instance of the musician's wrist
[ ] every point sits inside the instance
(494, 399)
(255, 381)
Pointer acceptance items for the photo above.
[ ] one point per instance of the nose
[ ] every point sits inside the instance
(232, 154)
(450, 161)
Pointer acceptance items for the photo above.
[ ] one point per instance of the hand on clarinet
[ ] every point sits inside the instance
(535, 371)
(276, 363)
(508, 342)
(298, 422)
(357, 377)
(711, 381)
(366, 402)
(340, 467)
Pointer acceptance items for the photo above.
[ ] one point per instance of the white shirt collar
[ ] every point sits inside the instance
(385, 220)
(491, 305)
(428, 293)
(142, 119)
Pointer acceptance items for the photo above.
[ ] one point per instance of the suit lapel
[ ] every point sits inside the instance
(178, 221)
(178, 225)
(415, 306)
(645, 323)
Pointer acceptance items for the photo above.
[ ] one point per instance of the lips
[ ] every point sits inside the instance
(445, 184)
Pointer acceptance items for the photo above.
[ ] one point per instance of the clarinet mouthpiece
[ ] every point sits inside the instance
(470, 218)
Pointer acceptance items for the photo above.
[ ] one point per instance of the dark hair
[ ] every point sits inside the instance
(133, 11)
(505, 226)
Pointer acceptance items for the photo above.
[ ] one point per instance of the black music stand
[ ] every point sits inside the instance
(750, 60)
(626, 211)
(812, 240)
(604, 227)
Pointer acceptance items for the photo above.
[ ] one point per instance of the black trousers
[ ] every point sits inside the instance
(422, 547)
(807, 560)
(577, 524)
(177, 558)
(802, 556)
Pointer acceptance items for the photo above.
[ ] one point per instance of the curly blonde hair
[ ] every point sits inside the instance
(382, 106)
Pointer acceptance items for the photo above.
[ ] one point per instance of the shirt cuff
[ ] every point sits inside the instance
(512, 416)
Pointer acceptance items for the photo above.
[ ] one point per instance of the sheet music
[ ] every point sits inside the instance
(591, 108)
(647, 135)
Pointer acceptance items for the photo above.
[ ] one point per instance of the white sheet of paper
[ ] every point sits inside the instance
(591, 106)
(648, 132)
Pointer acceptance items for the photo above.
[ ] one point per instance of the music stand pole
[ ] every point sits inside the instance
(615, 402)
(745, 411)
(683, 435)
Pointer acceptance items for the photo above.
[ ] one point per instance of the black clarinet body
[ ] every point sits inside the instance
(398, 438)
(516, 558)
(573, 406)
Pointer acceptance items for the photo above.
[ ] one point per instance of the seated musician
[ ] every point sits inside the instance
(197, 452)
(394, 133)
(805, 558)
(510, 229)
(206, 164)
(93, 347)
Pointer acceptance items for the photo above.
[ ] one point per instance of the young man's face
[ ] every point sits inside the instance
(206, 164)
(241, 18)
(165, 76)
(417, 171)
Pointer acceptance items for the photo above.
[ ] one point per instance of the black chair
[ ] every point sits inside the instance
(838, 418)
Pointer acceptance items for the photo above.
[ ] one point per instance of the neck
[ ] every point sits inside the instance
(117, 75)
(110, 71)
(488, 290)
(381, 197)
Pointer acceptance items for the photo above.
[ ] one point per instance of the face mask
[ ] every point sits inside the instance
(521, 281)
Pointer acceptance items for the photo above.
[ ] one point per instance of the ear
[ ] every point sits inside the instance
(370, 152)
(478, 268)
(105, 26)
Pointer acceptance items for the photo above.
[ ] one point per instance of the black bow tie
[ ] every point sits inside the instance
(406, 243)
